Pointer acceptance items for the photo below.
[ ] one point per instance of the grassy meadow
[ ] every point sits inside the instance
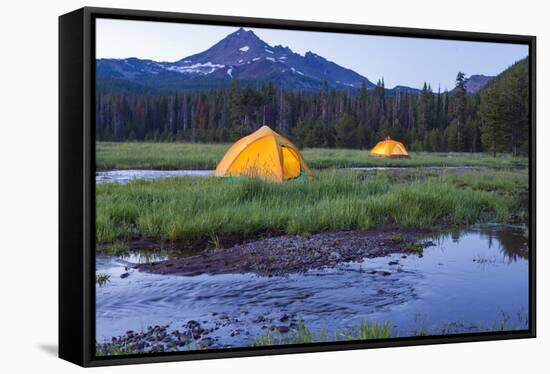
(197, 156)
(190, 207)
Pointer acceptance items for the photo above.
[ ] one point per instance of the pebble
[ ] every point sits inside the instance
(334, 256)
(262, 318)
(206, 342)
(282, 329)
(192, 324)
(380, 272)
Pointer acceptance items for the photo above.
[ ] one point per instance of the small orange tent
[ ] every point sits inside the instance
(264, 154)
(389, 148)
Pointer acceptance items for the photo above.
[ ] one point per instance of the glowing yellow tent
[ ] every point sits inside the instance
(264, 154)
(389, 148)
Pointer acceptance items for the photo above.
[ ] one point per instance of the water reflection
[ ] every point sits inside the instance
(512, 243)
(125, 176)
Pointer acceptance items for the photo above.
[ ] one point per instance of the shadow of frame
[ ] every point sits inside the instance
(50, 349)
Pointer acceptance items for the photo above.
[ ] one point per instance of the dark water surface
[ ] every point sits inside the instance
(473, 278)
(125, 176)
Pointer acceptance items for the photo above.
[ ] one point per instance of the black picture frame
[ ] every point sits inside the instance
(77, 184)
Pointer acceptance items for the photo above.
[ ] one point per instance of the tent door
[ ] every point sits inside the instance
(291, 163)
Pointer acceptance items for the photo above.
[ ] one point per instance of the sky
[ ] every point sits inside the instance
(399, 61)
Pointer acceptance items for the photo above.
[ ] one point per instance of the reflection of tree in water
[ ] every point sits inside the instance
(512, 243)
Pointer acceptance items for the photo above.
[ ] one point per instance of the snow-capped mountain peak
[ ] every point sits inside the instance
(240, 55)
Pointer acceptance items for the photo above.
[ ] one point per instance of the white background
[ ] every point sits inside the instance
(28, 184)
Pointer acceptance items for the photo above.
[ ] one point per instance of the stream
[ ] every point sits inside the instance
(121, 176)
(470, 279)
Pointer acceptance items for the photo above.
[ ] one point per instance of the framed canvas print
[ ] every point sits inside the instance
(235, 186)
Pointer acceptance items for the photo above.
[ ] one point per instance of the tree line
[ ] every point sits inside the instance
(492, 120)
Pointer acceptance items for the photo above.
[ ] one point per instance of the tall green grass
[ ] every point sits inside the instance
(322, 158)
(206, 156)
(166, 156)
(190, 208)
(302, 335)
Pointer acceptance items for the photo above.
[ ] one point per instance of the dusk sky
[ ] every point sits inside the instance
(400, 61)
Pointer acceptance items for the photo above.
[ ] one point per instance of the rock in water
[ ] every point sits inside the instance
(282, 329)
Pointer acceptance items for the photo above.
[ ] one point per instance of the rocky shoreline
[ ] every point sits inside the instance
(282, 255)
(192, 335)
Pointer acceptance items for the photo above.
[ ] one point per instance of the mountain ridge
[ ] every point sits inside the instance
(241, 55)
(476, 82)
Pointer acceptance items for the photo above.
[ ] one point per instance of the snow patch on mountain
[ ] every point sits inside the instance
(346, 84)
(244, 49)
(203, 69)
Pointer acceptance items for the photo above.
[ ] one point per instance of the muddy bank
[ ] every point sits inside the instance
(286, 254)
(188, 247)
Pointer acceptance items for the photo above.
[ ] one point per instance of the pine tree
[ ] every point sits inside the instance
(324, 110)
(460, 109)
(504, 112)
(493, 132)
(235, 107)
